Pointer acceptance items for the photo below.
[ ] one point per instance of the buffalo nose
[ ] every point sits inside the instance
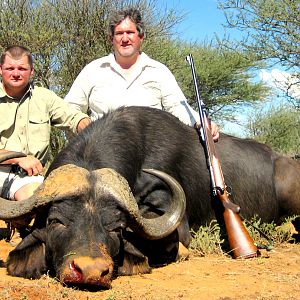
(90, 271)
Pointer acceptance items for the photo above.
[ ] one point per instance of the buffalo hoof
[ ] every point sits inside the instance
(183, 253)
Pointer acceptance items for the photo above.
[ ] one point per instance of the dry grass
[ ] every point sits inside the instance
(207, 240)
(273, 275)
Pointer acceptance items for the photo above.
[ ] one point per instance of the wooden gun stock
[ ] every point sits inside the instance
(240, 242)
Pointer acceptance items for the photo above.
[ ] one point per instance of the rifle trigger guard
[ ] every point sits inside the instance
(229, 190)
(220, 190)
(227, 204)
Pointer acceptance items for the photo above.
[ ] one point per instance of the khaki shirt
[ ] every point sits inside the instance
(25, 124)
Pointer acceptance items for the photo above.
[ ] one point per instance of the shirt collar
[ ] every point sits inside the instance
(2, 91)
(144, 61)
(4, 94)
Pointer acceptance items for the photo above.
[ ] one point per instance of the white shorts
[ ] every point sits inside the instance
(18, 181)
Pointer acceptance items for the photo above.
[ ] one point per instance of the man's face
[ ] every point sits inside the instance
(126, 40)
(15, 74)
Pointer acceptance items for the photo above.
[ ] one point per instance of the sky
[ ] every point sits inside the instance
(202, 22)
(203, 19)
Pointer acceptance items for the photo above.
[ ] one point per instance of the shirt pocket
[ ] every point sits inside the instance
(152, 95)
(39, 128)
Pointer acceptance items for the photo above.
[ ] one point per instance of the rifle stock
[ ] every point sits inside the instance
(240, 242)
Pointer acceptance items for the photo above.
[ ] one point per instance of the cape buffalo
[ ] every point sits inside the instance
(111, 203)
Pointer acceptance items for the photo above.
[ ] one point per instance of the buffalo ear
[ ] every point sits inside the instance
(134, 262)
(28, 258)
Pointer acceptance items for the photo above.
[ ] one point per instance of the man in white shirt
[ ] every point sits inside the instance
(128, 77)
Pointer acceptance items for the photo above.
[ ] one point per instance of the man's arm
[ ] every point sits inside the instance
(174, 101)
(29, 163)
(77, 97)
(63, 116)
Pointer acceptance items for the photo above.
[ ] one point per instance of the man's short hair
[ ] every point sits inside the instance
(16, 52)
(118, 16)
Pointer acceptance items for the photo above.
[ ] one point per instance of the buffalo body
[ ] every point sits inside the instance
(85, 236)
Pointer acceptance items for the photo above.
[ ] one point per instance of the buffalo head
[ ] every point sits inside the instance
(87, 226)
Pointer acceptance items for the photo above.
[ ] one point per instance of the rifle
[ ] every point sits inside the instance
(240, 242)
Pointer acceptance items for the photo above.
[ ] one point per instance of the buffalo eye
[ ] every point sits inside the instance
(54, 222)
(115, 227)
(120, 227)
(114, 219)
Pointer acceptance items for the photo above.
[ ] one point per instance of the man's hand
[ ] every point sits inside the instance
(83, 123)
(214, 129)
(30, 164)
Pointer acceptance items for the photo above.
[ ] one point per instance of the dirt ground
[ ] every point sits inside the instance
(272, 276)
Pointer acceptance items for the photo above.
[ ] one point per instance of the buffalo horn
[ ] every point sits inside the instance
(109, 181)
(63, 182)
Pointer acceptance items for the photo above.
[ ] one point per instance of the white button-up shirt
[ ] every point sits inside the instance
(103, 85)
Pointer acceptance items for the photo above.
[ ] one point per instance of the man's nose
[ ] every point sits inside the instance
(15, 72)
(125, 36)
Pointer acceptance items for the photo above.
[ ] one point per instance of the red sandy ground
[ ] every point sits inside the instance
(275, 275)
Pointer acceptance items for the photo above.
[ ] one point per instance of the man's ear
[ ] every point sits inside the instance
(142, 36)
(110, 38)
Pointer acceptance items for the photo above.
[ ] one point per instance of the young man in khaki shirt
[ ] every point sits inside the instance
(26, 115)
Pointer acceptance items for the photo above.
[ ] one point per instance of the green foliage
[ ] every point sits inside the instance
(62, 48)
(65, 35)
(84, 37)
(112, 296)
(279, 128)
(269, 234)
(57, 141)
(271, 27)
(30, 28)
(207, 240)
(225, 79)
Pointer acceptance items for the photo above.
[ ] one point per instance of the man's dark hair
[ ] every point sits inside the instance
(117, 17)
(16, 52)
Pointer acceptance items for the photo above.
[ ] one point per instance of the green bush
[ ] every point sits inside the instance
(207, 239)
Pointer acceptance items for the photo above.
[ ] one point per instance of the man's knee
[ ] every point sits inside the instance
(26, 191)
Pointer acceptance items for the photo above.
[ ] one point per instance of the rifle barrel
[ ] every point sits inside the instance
(240, 241)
